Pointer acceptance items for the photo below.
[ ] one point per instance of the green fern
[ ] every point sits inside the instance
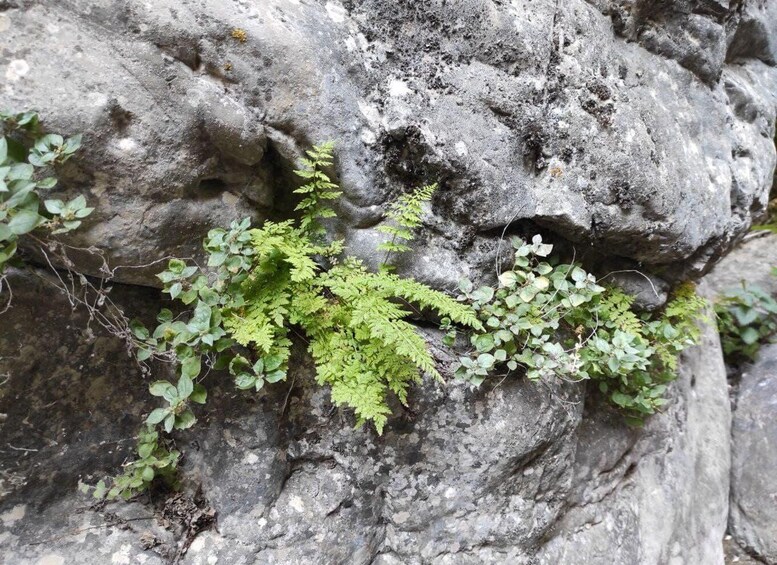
(318, 191)
(283, 277)
(355, 320)
(405, 216)
(420, 294)
(678, 327)
(360, 372)
(614, 310)
(686, 309)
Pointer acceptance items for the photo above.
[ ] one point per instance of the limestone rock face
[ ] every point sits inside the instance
(754, 441)
(750, 264)
(752, 518)
(513, 473)
(636, 134)
(641, 129)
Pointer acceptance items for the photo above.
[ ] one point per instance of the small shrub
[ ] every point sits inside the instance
(28, 160)
(747, 318)
(554, 320)
(263, 283)
(154, 460)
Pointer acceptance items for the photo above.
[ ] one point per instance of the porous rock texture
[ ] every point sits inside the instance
(750, 263)
(753, 500)
(513, 473)
(753, 519)
(636, 133)
(639, 129)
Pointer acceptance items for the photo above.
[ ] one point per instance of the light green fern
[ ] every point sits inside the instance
(282, 278)
(614, 309)
(404, 217)
(355, 321)
(318, 191)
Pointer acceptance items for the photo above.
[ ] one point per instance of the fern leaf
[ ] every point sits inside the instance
(384, 322)
(615, 311)
(423, 296)
(340, 363)
(405, 215)
(318, 189)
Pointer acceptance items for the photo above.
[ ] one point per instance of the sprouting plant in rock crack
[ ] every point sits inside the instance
(553, 320)
(405, 216)
(263, 283)
(770, 221)
(747, 318)
(154, 461)
(28, 160)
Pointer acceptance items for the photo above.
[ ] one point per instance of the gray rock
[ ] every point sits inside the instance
(650, 292)
(756, 34)
(70, 404)
(636, 131)
(644, 129)
(660, 496)
(515, 472)
(753, 519)
(749, 263)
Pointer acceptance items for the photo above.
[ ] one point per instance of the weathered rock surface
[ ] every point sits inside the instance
(639, 132)
(514, 473)
(642, 128)
(753, 520)
(750, 263)
(660, 499)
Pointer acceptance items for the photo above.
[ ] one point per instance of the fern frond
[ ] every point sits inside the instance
(686, 308)
(407, 210)
(405, 215)
(615, 311)
(261, 321)
(308, 308)
(281, 241)
(342, 364)
(318, 190)
(384, 321)
(423, 296)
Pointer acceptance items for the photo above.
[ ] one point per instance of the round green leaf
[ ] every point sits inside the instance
(25, 221)
(185, 386)
(199, 394)
(191, 367)
(275, 376)
(157, 416)
(163, 389)
(148, 474)
(185, 420)
(145, 449)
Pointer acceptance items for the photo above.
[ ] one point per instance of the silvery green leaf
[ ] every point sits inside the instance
(54, 206)
(157, 416)
(508, 278)
(185, 420)
(185, 387)
(25, 221)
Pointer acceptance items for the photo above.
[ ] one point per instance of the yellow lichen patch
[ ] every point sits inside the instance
(240, 34)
